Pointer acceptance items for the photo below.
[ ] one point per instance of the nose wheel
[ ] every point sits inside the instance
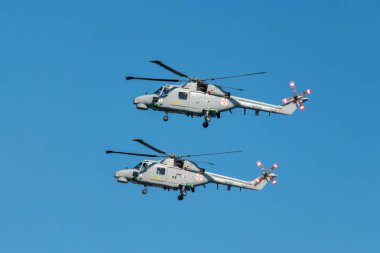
(144, 191)
(166, 117)
(180, 197)
(205, 124)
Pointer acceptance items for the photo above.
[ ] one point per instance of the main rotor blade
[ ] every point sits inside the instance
(153, 79)
(202, 162)
(229, 87)
(150, 146)
(170, 69)
(219, 153)
(128, 153)
(226, 77)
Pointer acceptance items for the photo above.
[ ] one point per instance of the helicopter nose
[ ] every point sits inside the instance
(143, 100)
(121, 173)
(122, 176)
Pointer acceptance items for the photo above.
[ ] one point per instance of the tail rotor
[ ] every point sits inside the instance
(266, 174)
(298, 99)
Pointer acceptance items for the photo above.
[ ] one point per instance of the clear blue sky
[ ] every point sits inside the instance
(64, 100)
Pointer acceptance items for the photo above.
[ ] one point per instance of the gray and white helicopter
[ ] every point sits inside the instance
(175, 172)
(198, 98)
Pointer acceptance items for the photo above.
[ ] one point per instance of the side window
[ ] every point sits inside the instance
(202, 87)
(160, 171)
(182, 95)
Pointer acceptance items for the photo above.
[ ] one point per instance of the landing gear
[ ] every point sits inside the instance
(166, 117)
(207, 120)
(183, 192)
(144, 191)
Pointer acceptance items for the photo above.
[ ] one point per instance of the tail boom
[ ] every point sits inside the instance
(286, 109)
(230, 181)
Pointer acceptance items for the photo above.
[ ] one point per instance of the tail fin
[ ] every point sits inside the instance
(289, 108)
(258, 183)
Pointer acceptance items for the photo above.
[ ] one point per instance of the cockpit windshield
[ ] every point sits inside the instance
(143, 167)
(158, 92)
(163, 91)
(137, 166)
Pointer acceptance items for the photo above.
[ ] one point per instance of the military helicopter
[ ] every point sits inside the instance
(199, 98)
(175, 172)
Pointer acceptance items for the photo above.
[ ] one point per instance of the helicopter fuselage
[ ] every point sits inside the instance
(165, 174)
(175, 172)
(186, 99)
(198, 97)
(210, 101)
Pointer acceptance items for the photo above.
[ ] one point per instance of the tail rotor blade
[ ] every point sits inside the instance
(273, 180)
(287, 100)
(259, 179)
(274, 167)
(306, 92)
(301, 105)
(293, 86)
(260, 166)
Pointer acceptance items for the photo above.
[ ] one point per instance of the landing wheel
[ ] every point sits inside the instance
(205, 124)
(165, 118)
(180, 197)
(144, 191)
